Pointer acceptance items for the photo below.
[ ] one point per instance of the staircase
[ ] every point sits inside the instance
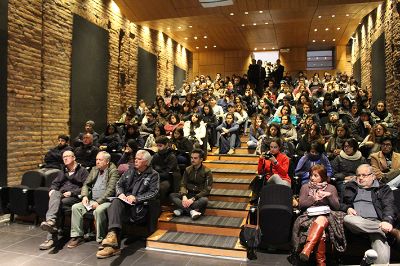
(217, 232)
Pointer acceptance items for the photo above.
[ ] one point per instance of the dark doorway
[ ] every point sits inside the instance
(378, 69)
(89, 82)
(357, 71)
(3, 91)
(147, 76)
(179, 76)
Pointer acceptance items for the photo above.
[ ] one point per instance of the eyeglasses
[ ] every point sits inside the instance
(364, 175)
(346, 146)
(387, 144)
(66, 156)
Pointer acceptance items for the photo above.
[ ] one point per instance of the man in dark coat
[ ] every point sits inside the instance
(86, 154)
(370, 210)
(63, 192)
(136, 186)
(53, 158)
(165, 163)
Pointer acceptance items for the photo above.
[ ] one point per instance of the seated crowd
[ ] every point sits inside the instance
(322, 132)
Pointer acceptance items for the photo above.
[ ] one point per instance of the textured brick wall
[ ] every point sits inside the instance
(39, 71)
(384, 19)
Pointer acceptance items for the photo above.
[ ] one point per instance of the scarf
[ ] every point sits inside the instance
(356, 156)
(382, 114)
(315, 187)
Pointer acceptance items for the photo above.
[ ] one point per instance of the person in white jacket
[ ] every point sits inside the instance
(195, 129)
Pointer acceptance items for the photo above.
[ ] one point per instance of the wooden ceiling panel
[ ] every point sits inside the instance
(291, 23)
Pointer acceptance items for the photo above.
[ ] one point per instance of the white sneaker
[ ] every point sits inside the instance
(195, 214)
(231, 151)
(178, 212)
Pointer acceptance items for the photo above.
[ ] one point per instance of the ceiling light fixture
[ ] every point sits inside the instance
(206, 46)
(315, 29)
(254, 24)
(190, 26)
(260, 11)
(326, 29)
(264, 48)
(231, 14)
(338, 28)
(205, 37)
(347, 15)
(266, 23)
(323, 40)
(197, 47)
(333, 16)
(255, 49)
(273, 48)
(313, 40)
(319, 16)
(186, 38)
(168, 28)
(242, 25)
(179, 27)
(215, 46)
(246, 13)
(195, 37)
(333, 40)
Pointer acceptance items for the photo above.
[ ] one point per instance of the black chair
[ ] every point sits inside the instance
(21, 196)
(275, 216)
(41, 194)
(4, 201)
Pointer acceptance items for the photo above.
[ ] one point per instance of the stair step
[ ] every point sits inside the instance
(233, 157)
(230, 192)
(219, 161)
(240, 150)
(206, 244)
(231, 183)
(227, 205)
(218, 225)
(221, 165)
(233, 171)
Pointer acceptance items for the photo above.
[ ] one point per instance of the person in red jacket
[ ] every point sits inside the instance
(274, 164)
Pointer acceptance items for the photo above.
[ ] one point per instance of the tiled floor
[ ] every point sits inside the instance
(19, 246)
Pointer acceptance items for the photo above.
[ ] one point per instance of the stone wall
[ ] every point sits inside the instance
(384, 19)
(39, 70)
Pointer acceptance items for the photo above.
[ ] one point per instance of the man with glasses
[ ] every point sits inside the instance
(370, 210)
(195, 187)
(64, 192)
(386, 164)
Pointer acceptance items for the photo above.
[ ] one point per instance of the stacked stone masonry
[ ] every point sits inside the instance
(39, 71)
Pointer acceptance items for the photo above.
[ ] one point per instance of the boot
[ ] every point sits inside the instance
(320, 255)
(111, 240)
(314, 235)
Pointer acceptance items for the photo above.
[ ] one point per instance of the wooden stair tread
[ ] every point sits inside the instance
(231, 180)
(205, 220)
(227, 205)
(239, 171)
(230, 192)
(202, 240)
(235, 155)
(232, 162)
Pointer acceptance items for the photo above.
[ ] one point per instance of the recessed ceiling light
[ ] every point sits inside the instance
(168, 28)
(231, 14)
(323, 40)
(313, 40)
(206, 46)
(266, 23)
(347, 15)
(333, 40)
(205, 37)
(186, 38)
(264, 48)
(242, 25)
(246, 13)
(190, 26)
(179, 27)
(333, 16)
(254, 24)
(273, 48)
(195, 37)
(319, 16)
(326, 29)
(255, 49)
(338, 28)
(315, 29)
(197, 47)
(214, 46)
(260, 11)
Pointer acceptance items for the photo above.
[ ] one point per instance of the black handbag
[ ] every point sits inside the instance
(250, 237)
